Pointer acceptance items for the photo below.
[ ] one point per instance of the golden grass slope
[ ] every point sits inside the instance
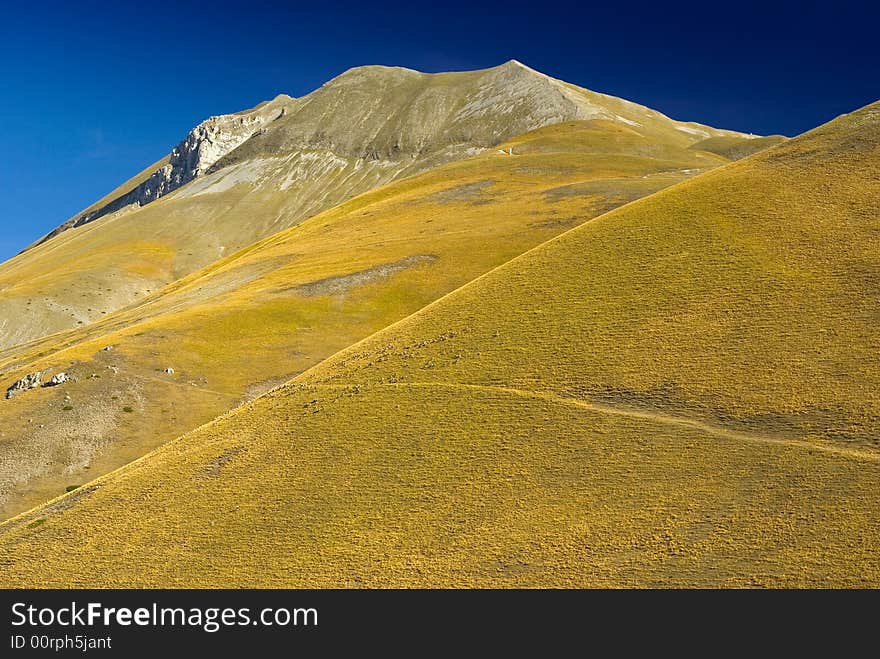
(683, 392)
(256, 318)
(746, 297)
(432, 485)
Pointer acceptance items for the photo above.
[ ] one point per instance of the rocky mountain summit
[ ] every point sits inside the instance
(397, 120)
(270, 239)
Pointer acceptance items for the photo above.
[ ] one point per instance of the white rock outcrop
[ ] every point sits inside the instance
(58, 378)
(29, 381)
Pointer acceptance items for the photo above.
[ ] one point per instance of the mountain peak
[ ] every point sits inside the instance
(514, 65)
(366, 71)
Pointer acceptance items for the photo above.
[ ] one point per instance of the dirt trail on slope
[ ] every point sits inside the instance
(683, 422)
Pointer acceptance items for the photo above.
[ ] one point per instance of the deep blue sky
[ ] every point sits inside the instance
(91, 92)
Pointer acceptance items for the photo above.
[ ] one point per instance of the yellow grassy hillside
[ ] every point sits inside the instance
(745, 297)
(259, 317)
(682, 392)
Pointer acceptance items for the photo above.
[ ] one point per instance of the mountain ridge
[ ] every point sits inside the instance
(206, 147)
(289, 159)
(316, 222)
(203, 146)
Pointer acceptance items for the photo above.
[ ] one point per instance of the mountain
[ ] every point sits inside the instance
(239, 178)
(260, 315)
(680, 392)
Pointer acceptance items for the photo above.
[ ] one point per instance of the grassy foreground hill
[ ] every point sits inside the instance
(266, 313)
(682, 392)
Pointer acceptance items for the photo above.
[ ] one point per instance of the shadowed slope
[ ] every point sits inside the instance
(682, 392)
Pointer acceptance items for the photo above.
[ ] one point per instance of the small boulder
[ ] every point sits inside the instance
(58, 378)
(169, 371)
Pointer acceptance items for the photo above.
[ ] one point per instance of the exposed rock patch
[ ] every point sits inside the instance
(213, 468)
(29, 381)
(470, 192)
(204, 145)
(344, 283)
(65, 444)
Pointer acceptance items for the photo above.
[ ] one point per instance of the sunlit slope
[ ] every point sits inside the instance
(746, 297)
(257, 318)
(247, 176)
(436, 485)
(682, 392)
